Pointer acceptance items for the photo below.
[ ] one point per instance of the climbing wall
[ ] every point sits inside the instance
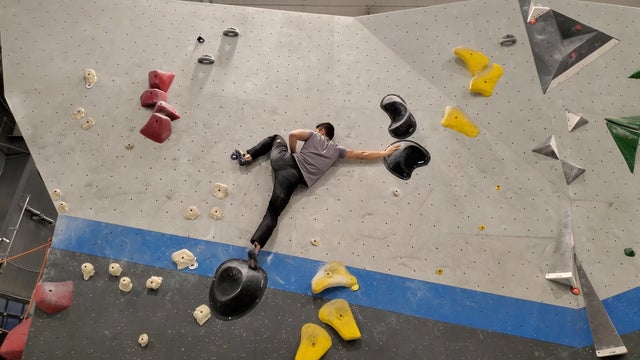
(466, 240)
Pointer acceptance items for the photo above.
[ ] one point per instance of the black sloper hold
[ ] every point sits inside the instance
(407, 158)
(403, 124)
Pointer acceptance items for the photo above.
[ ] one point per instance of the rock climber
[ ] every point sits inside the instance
(292, 168)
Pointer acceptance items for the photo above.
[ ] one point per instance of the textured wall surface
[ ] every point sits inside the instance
(486, 211)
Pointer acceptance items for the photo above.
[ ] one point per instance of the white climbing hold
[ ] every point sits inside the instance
(129, 146)
(548, 148)
(143, 340)
(90, 78)
(315, 242)
(125, 284)
(62, 207)
(396, 192)
(183, 258)
(78, 113)
(88, 124)
(220, 191)
(191, 213)
(154, 282)
(115, 269)
(571, 171)
(535, 11)
(216, 213)
(575, 121)
(87, 271)
(56, 194)
(202, 314)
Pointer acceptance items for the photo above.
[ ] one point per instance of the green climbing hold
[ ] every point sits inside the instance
(635, 75)
(626, 134)
(629, 252)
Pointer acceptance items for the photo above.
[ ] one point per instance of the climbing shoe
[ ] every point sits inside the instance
(240, 157)
(252, 253)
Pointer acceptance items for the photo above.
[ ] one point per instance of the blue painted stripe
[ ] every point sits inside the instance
(529, 319)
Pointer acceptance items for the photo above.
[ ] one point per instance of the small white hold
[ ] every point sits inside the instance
(191, 213)
(88, 124)
(216, 213)
(115, 269)
(87, 271)
(202, 314)
(125, 284)
(396, 192)
(183, 258)
(56, 194)
(220, 191)
(62, 207)
(143, 340)
(154, 282)
(129, 146)
(315, 242)
(90, 78)
(78, 113)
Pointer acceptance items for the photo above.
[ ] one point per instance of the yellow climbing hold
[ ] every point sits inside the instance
(484, 83)
(331, 275)
(439, 271)
(338, 315)
(455, 119)
(475, 60)
(314, 342)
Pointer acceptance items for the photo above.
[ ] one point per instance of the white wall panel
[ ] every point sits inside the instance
(289, 70)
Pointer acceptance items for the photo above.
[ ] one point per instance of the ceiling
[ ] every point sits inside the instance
(359, 7)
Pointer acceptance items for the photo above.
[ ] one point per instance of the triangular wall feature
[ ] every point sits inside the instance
(626, 138)
(561, 46)
(631, 122)
(605, 336)
(548, 148)
(575, 121)
(571, 171)
(562, 268)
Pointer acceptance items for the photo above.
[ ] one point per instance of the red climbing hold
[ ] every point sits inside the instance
(158, 128)
(13, 345)
(165, 109)
(160, 80)
(53, 297)
(575, 291)
(150, 97)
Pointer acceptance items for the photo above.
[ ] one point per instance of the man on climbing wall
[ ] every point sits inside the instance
(293, 168)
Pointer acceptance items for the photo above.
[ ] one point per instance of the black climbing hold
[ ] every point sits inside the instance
(236, 289)
(231, 32)
(206, 59)
(403, 124)
(407, 158)
(629, 252)
(508, 40)
(200, 39)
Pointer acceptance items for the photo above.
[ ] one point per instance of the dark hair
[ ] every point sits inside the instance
(328, 129)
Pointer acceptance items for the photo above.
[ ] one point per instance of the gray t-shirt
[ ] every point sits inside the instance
(317, 155)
